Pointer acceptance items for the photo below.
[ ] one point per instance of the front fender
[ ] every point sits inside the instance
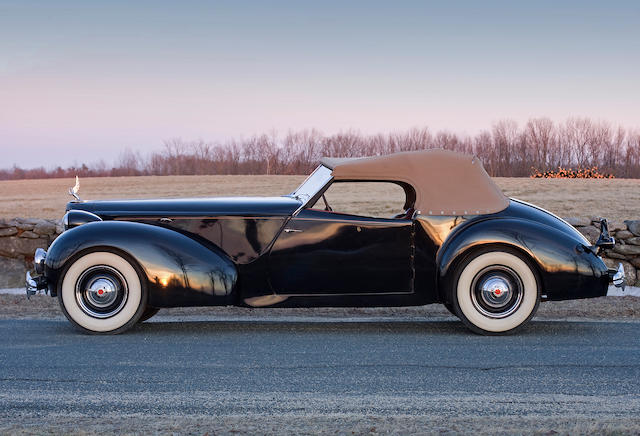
(566, 270)
(178, 270)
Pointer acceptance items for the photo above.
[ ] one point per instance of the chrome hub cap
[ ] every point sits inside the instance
(497, 291)
(101, 291)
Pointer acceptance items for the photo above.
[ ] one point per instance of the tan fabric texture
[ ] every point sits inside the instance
(446, 182)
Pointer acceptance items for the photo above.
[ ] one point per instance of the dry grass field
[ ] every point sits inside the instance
(616, 199)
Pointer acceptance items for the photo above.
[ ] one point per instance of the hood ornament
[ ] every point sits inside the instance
(74, 191)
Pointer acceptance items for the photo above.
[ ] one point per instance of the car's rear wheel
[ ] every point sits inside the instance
(101, 292)
(450, 308)
(495, 292)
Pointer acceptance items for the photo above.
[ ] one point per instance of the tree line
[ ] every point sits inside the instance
(507, 149)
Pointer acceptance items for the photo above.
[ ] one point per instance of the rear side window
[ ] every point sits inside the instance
(371, 199)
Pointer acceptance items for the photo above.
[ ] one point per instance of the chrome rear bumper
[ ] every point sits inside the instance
(616, 276)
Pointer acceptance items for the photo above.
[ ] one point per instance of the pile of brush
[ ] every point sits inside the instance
(570, 173)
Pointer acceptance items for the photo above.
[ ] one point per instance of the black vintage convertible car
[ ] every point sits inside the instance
(458, 241)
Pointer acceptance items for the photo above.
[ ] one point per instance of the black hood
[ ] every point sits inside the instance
(201, 207)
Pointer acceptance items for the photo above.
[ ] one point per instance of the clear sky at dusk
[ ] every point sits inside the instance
(80, 81)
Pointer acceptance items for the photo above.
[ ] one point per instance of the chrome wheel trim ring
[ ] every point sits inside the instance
(496, 291)
(101, 291)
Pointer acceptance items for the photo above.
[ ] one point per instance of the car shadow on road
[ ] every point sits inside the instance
(230, 327)
(430, 327)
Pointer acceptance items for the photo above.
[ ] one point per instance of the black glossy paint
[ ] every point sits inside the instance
(566, 269)
(229, 250)
(178, 270)
(243, 239)
(191, 207)
(331, 253)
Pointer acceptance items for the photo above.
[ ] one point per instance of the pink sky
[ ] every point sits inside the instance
(82, 82)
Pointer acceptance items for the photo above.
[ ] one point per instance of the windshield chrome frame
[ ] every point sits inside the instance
(323, 174)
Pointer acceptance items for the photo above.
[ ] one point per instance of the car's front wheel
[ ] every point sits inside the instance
(101, 292)
(149, 312)
(495, 292)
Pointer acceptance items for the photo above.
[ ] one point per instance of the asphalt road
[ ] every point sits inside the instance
(291, 376)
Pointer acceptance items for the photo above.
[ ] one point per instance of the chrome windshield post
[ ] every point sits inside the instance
(314, 184)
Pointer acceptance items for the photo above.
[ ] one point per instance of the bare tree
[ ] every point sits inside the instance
(505, 140)
(541, 137)
(506, 150)
(578, 133)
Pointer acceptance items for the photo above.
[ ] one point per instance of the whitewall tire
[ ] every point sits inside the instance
(101, 292)
(495, 292)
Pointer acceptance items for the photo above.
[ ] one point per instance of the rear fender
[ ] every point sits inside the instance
(565, 270)
(179, 271)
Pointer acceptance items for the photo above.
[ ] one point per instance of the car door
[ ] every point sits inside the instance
(328, 253)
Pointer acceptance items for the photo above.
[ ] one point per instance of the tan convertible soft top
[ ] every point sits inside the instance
(445, 182)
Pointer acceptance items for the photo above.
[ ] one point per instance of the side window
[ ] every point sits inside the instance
(373, 199)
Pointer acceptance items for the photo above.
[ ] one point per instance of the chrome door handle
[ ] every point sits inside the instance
(288, 230)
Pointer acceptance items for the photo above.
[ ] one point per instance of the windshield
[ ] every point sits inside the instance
(315, 182)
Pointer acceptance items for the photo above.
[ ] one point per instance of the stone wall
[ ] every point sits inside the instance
(20, 237)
